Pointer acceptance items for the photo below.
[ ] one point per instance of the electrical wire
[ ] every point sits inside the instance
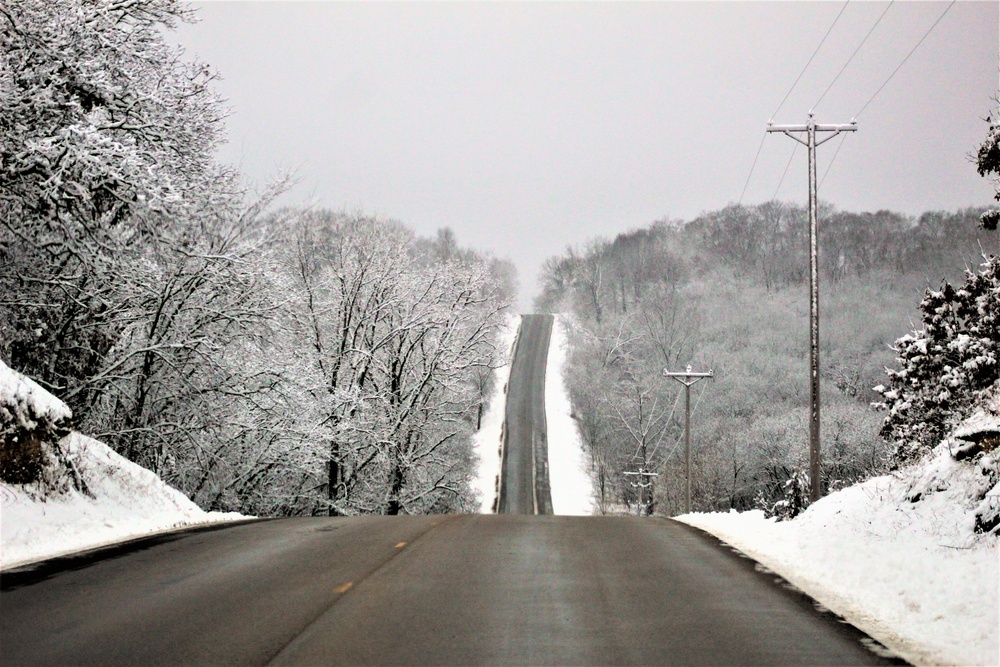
(929, 30)
(785, 98)
(785, 173)
(677, 401)
(822, 41)
(843, 137)
(884, 83)
(877, 21)
(694, 408)
(752, 168)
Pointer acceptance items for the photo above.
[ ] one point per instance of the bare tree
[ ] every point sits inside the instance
(400, 332)
(107, 133)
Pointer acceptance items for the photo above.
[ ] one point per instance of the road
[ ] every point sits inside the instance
(419, 590)
(524, 487)
(468, 589)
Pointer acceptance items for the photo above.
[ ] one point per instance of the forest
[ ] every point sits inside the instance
(261, 360)
(728, 292)
(280, 361)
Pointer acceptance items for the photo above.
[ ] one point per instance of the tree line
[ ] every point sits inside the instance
(727, 291)
(260, 360)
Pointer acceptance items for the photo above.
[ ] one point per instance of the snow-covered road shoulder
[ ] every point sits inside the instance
(89, 495)
(572, 488)
(911, 573)
(486, 442)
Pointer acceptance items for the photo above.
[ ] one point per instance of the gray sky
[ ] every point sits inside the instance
(527, 127)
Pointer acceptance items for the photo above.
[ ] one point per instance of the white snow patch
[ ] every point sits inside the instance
(18, 391)
(125, 500)
(913, 575)
(981, 421)
(571, 485)
(486, 442)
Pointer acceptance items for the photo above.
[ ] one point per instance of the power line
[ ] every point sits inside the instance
(785, 173)
(669, 417)
(877, 21)
(785, 98)
(835, 154)
(884, 83)
(680, 438)
(751, 168)
(906, 58)
(822, 41)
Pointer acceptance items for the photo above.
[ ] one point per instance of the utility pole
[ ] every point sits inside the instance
(810, 129)
(687, 378)
(642, 485)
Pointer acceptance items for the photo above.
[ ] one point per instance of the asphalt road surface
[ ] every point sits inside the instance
(418, 590)
(524, 485)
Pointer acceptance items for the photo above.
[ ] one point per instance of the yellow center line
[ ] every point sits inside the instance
(343, 588)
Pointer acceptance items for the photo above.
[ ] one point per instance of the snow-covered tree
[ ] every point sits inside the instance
(106, 133)
(397, 331)
(186, 380)
(101, 118)
(988, 164)
(949, 366)
(131, 269)
(284, 364)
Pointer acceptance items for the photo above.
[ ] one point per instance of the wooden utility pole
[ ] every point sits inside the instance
(642, 484)
(687, 378)
(810, 129)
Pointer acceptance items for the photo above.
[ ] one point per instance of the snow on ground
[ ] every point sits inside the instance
(912, 574)
(487, 440)
(128, 501)
(571, 486)
(20, 396)
(124, 500)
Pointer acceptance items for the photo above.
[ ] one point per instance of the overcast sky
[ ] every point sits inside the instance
(527, 127)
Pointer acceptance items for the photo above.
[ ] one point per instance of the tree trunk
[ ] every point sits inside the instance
(333, 479)
(396, 477)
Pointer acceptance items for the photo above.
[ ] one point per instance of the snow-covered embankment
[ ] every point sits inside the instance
(88, 496)
(572, 487)
(897, 556)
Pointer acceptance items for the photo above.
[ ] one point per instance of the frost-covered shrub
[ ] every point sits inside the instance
(988, 164)
(794, 501)
(987, 512)
(946, 368)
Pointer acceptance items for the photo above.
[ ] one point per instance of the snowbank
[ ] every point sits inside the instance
(127, 501)
(486, 442)
(111, 500)
(26, 401)
(897, 556)
(571, 486)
